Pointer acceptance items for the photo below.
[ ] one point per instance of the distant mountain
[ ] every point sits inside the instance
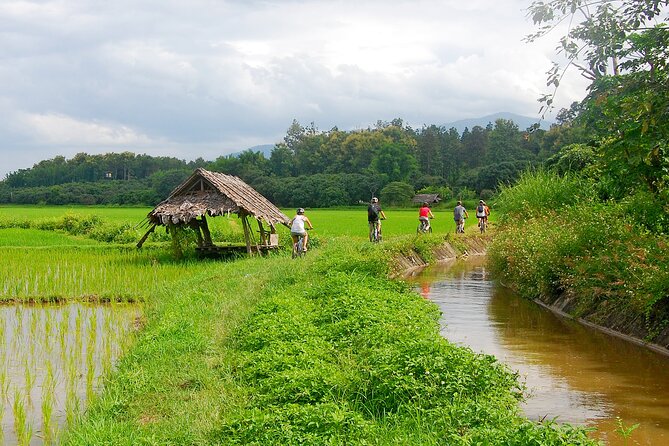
(523, 122)
(265, 149)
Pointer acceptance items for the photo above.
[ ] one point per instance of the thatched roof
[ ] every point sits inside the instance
(426, 198)
(214, 193)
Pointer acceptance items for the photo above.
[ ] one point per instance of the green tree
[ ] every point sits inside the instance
(623, 50)
(281, 160)
(397, 193)
(504, 143)
(395, 162)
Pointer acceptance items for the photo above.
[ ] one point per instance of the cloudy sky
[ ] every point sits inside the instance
(204, 78)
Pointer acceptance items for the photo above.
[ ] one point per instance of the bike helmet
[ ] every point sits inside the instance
(300, 211)
(375, 200)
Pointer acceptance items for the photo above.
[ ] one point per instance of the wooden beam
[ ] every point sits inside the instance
(263, 237)
(143, 239)
(247, 233)
(206, 232)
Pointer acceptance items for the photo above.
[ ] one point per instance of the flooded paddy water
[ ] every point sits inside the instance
(573, 373)
(52, 359)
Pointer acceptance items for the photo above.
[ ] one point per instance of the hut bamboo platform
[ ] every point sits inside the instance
(211, 194)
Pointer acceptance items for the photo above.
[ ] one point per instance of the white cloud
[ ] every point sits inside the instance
(207, 77)
(61, 130)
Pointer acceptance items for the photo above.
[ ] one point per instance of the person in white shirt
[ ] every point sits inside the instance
(298, 229)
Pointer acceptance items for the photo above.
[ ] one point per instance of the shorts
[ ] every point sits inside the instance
(299, 234)
(423, 219)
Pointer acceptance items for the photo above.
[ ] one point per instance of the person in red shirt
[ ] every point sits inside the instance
(424, 216)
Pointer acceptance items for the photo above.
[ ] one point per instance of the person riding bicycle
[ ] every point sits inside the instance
(297, 228)
(374, 216)
(424, 216)
(459, 215)
(482, 212)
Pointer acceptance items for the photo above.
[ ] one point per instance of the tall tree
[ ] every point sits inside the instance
(623, 50)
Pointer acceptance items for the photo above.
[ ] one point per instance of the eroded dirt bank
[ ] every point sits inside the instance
(451, 249)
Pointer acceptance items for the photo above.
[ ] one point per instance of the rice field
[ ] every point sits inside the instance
(68, 303)
(58, 342)
(53, 358)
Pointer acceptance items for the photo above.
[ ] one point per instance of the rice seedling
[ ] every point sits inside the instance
(48, 401)
(61, 353)
(22, 430)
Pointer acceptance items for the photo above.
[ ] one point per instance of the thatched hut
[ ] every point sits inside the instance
(426, 198)
(207, 193)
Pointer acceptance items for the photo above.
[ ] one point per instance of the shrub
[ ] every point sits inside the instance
(541, 192)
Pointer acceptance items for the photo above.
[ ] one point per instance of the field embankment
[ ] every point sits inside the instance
(596, 261)
(322, 350)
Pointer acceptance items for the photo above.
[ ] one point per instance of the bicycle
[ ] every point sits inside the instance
(482, 224)
(460, 227)
(298, 247)
(424, 227)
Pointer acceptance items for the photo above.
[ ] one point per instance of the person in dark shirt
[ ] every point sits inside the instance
(374, 216)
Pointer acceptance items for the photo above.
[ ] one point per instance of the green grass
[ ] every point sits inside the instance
(599, 254)
(259, 351)
(111, 214)
(17, 237)
(321, 350)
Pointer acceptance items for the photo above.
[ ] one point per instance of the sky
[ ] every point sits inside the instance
(205, 78)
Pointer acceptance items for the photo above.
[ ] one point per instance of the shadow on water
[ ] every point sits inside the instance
(573, 373)
(52, 359)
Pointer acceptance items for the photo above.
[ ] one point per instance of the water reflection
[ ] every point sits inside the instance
(572, 372)
(52, 358)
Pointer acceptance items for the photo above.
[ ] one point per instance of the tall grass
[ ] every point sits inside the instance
(559, 241)
(539, 192)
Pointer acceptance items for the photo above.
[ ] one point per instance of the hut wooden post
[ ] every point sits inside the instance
(198, 234)
(247, 233)
(263, 233)
(205, 232)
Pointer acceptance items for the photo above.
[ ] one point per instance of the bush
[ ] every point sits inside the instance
(541, 192)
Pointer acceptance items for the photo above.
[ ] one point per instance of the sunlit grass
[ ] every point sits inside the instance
(49, 274)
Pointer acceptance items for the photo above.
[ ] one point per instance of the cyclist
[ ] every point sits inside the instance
(424, 216)
(482, 212)
(374, 216)
(297, 228)
(459, 215)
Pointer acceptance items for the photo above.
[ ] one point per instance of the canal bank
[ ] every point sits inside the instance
(615, 320)
(572, 373)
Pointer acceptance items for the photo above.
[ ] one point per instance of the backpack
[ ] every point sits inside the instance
(480, 209)
(372, 212)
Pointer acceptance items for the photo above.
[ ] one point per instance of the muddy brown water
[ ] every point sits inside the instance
(52, 360)
(573, 373)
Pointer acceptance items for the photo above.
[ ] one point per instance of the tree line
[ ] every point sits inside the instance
(308, 168)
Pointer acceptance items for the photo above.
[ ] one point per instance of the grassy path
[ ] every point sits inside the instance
(322, 350)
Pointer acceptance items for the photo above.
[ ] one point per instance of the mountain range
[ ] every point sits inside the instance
(523, 122)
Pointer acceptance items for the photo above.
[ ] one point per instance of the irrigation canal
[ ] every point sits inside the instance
(573, 373)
